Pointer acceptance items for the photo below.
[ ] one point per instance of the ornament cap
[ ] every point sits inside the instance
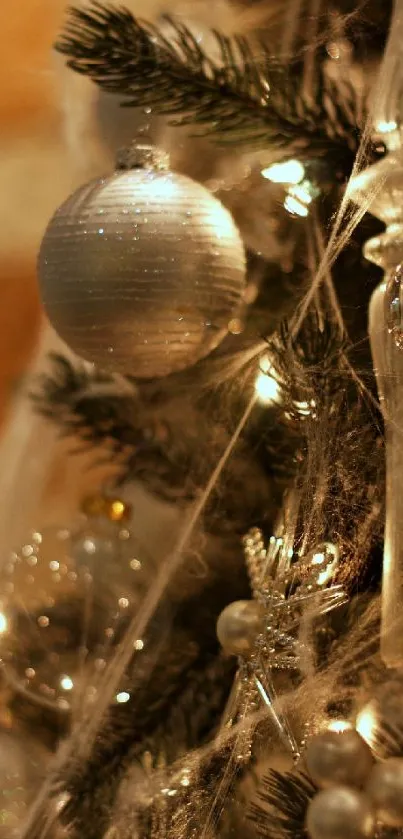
(142, 155)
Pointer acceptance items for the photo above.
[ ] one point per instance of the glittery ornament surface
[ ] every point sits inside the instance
(142, 271)
(66, 597)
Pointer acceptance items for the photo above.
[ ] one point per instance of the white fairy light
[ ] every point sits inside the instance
(267, 386)
(293, 206)
(386, 127)
(366, 723)
(66, 683)
(339, 726)
(288, 172)
(3, 623)
(122, 697)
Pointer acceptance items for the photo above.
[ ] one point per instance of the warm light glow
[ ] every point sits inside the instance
(117, 510)
(267, 387)
(3, 623)
(122, 697)
(339, 726)
(302, 193)
(162, 188)
(66, 683)
(366, 723)
(386, 127)
(295, 207)
(288, 172)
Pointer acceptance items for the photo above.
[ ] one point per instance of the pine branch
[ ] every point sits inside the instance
(236, 98)
(282, 800)
(86, 404)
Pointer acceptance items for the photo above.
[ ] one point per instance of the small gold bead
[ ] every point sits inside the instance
(117, 510)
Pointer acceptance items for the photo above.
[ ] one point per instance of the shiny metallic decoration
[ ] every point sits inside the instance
(287, 588)
(334, 758)
(66, 596)
(340, 813)
(385, 790)
(379, 189)
(239, 625)
(142, 271)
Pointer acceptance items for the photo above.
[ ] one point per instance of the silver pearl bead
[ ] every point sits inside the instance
(385, 789)
(338, 758)
(339, 813)
(238, 626)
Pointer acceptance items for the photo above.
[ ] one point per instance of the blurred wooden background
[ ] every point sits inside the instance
(32, 173)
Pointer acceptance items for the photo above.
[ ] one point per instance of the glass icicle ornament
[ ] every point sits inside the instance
(381, 187)
(264, 632)
(66, 597)
(141, 272)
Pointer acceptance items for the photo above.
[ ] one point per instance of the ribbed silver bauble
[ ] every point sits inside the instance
(140, 272)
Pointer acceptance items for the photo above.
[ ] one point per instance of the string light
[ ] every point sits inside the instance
(122, 697)
(386, 127)
(339, 726)
(288, 172)
(294, 207)
(366, 723)
(267, 386)
(66, 683)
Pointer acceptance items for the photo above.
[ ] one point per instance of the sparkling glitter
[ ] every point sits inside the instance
(139, 644)
(123, 602)
(122, 697)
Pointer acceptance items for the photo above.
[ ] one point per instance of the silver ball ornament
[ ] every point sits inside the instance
(141, 272)
(339, 813)
(385, 789)
(338, 758)
(239, 625)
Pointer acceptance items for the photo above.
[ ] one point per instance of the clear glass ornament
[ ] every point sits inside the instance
(66, 597)
(380, 190)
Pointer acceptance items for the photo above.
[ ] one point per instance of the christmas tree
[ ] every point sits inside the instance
(207, 641)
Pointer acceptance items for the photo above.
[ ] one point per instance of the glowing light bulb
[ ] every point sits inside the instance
(3, 623)
(288, 172)
(267, 387)
(385, 127)
(339, 726)
(366, 723)
(293, 206)
(302, 192)
(122, 697)
(66, 683)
